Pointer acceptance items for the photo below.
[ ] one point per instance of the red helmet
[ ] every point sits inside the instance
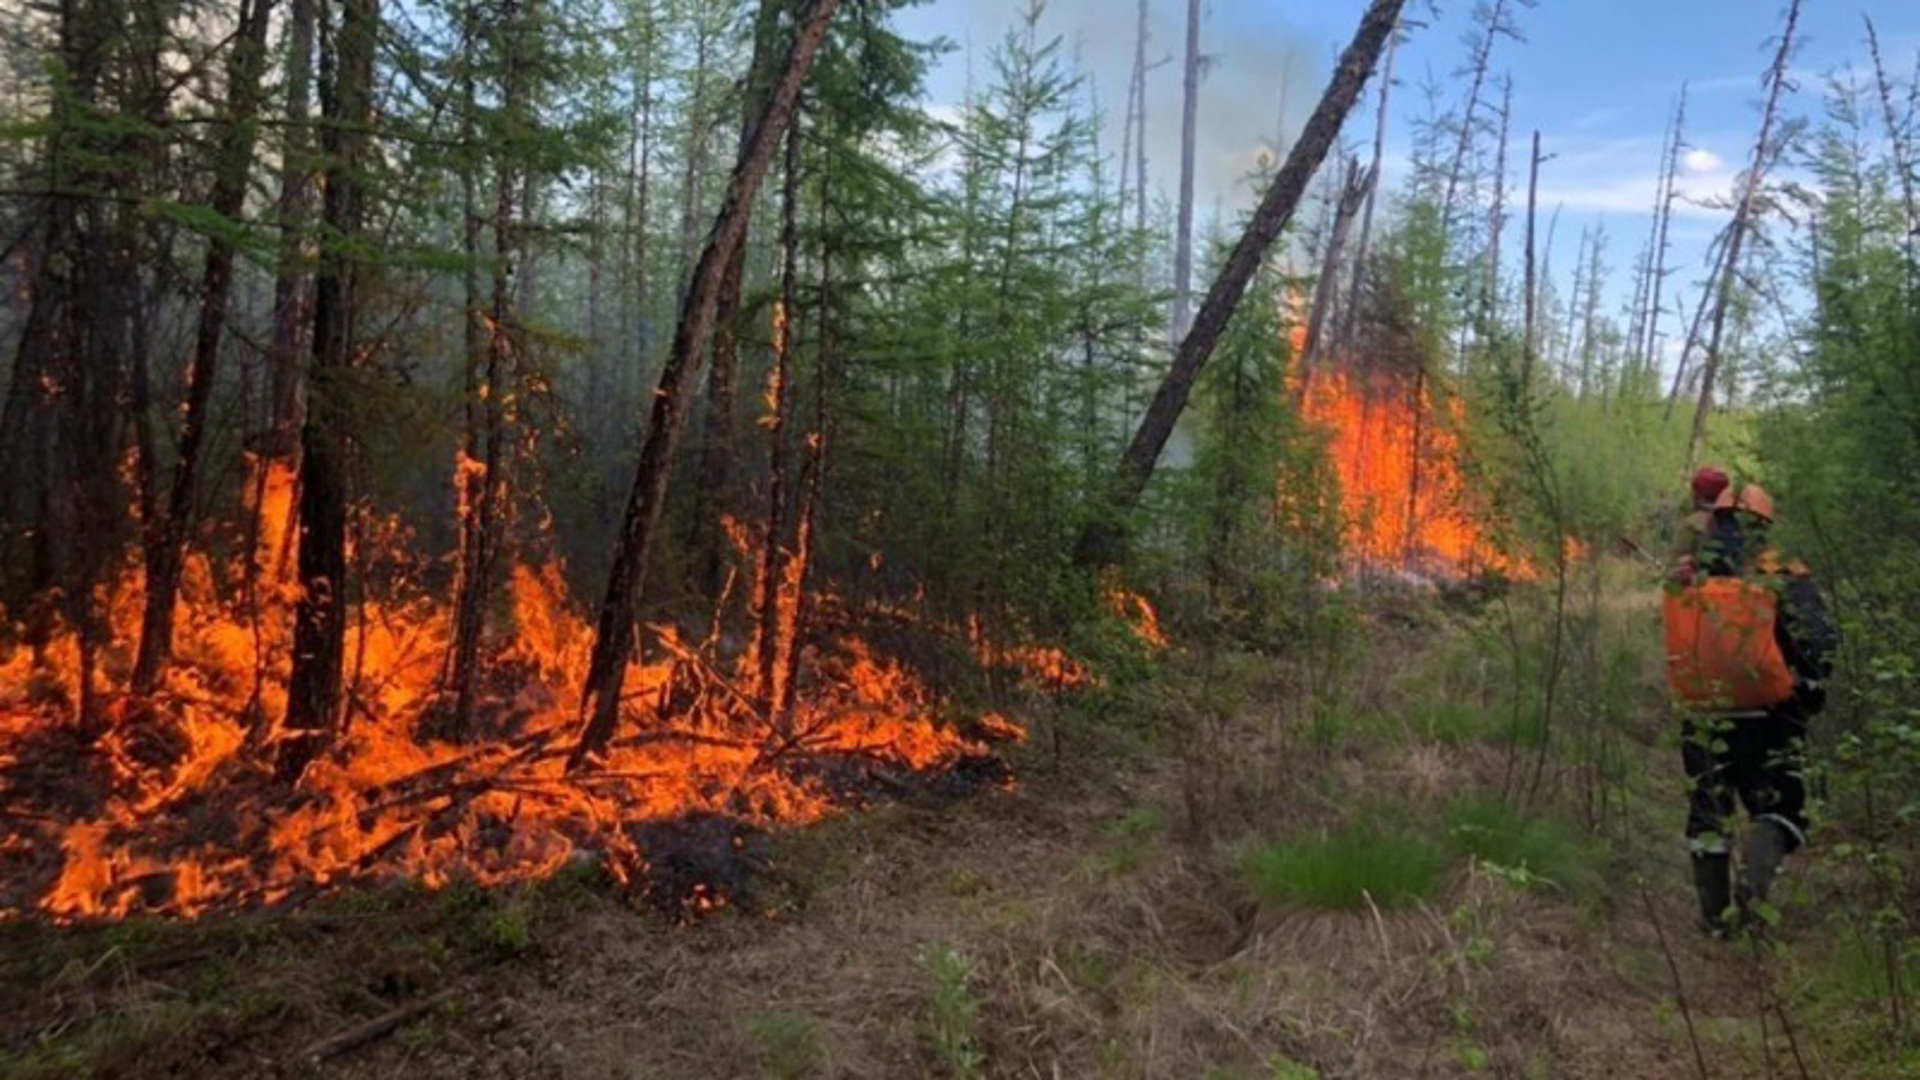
(1709, 483)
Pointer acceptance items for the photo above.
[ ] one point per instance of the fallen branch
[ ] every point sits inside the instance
(384, 1024)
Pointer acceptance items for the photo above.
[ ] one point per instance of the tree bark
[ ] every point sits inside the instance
(1099, 540)
(167, 536)
(614, 634)
(320, 617)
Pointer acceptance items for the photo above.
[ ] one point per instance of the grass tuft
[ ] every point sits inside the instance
(1341, 870)
(1549, 849)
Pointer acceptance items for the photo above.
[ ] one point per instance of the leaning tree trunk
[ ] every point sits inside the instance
(1100, 540)
(167, 537)
(1743, 215)
(614, 636)
(320, 618)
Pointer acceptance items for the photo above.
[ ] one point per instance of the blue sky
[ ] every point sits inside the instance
(1598, 78)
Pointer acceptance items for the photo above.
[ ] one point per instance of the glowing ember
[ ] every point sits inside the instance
(174, 809)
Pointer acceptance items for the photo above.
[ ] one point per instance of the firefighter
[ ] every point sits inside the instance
(1751, 748)
(1709, 483)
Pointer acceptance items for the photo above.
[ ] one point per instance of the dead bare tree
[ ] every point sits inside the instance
(1348, 320)
(1532, 298)
(1099, 540)
(1183, 228)
(613, 639)
(1663, 218)
(1745, 210)
(1354, 190)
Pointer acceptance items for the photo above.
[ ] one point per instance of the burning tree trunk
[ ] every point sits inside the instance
(614, 634)
(773, 564)
(1183, 238)
(167, 536)
(1744, 211)
(320, 618)
(717, 451)
(1099, 540)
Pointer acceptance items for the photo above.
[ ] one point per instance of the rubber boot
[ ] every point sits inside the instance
(1766, 848)
(1713, 881)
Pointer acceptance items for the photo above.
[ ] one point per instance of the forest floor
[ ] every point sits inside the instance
(1105, 918)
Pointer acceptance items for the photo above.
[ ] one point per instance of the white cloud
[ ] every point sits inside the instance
(1702, 161)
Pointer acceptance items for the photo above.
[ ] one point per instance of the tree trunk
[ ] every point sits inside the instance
(1664, 213)
(614, 635)
(1183, 238)
(167, 536)
(1532, 299)
(1100, 539)
(1355, 190)
(291, 302)
(716, 452)
(1743, 213)
(482, 471)
(773, 563)
(320, 617)
(1350, 318)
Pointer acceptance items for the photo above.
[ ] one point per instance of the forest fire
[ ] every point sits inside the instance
(173, 808)
(1396, 455)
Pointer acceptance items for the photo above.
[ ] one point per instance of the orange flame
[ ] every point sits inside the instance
(174, 811)
(1397, 460)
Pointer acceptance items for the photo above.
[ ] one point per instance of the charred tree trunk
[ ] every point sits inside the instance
(1744, 211)
(1183, 236)
(320, 618)
(167, 536)
(1099, 540)
(614, 634)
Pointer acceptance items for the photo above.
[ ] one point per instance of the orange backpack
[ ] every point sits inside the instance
(1721, 651)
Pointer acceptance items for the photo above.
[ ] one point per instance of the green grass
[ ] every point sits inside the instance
(1341, 870)
(1550, 850)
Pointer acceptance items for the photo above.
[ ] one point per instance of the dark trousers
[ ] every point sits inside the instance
(1759, 759)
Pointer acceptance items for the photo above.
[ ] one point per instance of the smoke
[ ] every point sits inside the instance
(1259, 82)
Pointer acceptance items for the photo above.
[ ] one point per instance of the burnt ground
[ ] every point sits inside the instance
(1091, 922)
